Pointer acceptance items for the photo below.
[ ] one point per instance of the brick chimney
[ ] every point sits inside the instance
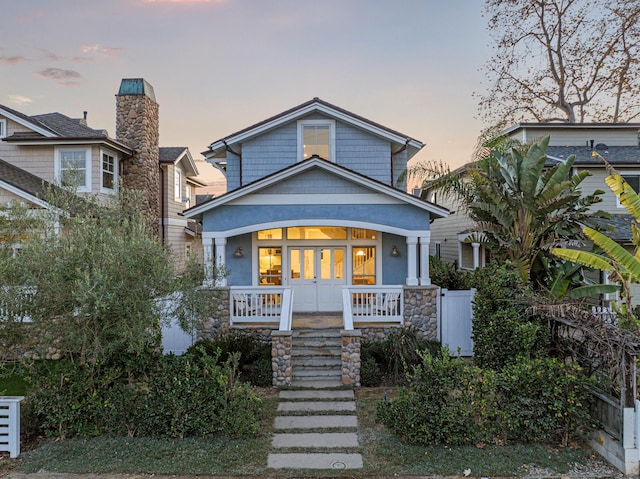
(137, 126)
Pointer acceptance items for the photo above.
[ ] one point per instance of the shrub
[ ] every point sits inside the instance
(451, 401)
(502, 330)
(448, 276)
(370, 372)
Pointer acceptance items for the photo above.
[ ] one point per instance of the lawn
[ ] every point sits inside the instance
(383, 453)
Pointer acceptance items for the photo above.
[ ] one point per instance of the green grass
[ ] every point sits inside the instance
(383, 453)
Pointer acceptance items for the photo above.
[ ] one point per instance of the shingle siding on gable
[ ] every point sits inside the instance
(233, 171)
(315, 182)
(269, 153)
(362, 152)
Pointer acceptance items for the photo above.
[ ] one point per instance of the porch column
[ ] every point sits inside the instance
(221, 262)
(207, 247)
(476, 255)
(412, 250)
(425, 279)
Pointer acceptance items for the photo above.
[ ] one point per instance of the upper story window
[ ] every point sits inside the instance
(634, 182)
(109, 176)
(73, 168)
(187, 195)
(177, 184)
(316, 137)
(3, 128)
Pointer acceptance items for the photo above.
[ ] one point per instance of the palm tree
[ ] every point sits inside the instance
(623, 266)
(520, 207)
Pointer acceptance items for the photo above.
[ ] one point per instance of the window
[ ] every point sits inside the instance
(109, 177)
(361, 233)
(634, 182)
(270, 262)
(187, 195)
(316, 232)
(73, 168)
(275, 233)
(316, 137)
(177, 184)
(438, 253)
(364, 265)
(3, 128)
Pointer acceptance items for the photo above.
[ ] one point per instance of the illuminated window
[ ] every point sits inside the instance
(275, 233)
(361, 233)
(364, 265)
(316, 232)
(270, 263)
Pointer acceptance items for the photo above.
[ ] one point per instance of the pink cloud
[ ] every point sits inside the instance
(14, 60)
(184, 1)
(98, 49)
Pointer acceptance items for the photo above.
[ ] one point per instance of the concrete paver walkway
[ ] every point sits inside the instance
(333, 444)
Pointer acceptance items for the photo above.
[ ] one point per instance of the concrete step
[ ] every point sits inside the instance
(319, 373)
(315, 422)
(317, 406)
(316, 394)
(317, 385)
(336, 461)
(308, 351)
(324, 440)
(316, 362)
(316, 333)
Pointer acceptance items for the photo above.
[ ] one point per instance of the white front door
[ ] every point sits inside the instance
(317, 277)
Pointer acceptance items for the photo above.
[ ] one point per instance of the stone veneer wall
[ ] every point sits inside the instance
(421, 310)
(351, 357)
(137, 125)
(281, 358)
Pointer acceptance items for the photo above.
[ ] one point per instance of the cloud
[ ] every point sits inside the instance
(63, 77)
(97, 49)
(14, 60)
(19, 100)
(49, 55)
(184, 1)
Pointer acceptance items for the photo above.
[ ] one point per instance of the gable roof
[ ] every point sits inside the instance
(315, 162)
(57, 128)
(177, 154)
(615, 155)
(24, 184)
(576, 126)
(311, 106)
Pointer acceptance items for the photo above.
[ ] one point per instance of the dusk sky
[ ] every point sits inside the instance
(218, 66)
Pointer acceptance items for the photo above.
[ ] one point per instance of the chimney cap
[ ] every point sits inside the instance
(136, 86)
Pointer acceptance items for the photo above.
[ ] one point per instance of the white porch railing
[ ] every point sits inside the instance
(372, 304)
(16, 303)
(262, 304)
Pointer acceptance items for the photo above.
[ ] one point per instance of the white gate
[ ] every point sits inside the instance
(455, 316)
(174, 339)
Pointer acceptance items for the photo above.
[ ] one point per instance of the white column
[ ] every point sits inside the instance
(221, 262)
(412, 250)
(207, 246)
(476, 255)
(425, 280)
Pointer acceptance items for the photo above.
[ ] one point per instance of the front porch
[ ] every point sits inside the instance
(369, 313)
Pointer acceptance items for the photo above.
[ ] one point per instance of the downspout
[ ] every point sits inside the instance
(162, 205)
(239, 155)
(394, 153)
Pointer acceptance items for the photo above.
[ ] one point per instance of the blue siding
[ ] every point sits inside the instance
(363, 152)
(239, 269)
(400, 216)
(269, 153)
(233, 171)
(399, 167)
(394, 269)
(316, 181)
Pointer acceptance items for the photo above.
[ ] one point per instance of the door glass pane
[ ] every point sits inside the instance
(338, 263)
(309, 266)
(296, 266)
(364, 265)
(325, 263)
(270, 261)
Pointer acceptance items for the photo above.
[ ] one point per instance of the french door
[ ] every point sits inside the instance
(317, 274)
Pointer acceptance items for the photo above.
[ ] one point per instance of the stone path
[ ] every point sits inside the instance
(315, 429)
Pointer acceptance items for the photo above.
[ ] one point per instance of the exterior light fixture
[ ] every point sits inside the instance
(394, 251)
(238, 253)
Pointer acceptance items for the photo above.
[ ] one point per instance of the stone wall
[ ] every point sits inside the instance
(351, 358)
(421, 310)
(281, 358)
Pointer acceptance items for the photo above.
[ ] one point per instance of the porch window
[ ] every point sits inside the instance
(274, 233)
(361, 233)
(317, 233)
(364, 265)
(270, 261)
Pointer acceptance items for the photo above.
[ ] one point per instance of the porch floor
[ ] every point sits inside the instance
(319, 320)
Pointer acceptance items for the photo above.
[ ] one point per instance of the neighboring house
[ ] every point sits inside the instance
(618, 143)
(313, 210)
(39, 151)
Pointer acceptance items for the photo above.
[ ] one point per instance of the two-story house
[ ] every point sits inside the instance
(39, 151)
(617, 143)
(314, 215)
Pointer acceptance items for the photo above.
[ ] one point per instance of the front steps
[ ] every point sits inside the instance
(316, 355)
